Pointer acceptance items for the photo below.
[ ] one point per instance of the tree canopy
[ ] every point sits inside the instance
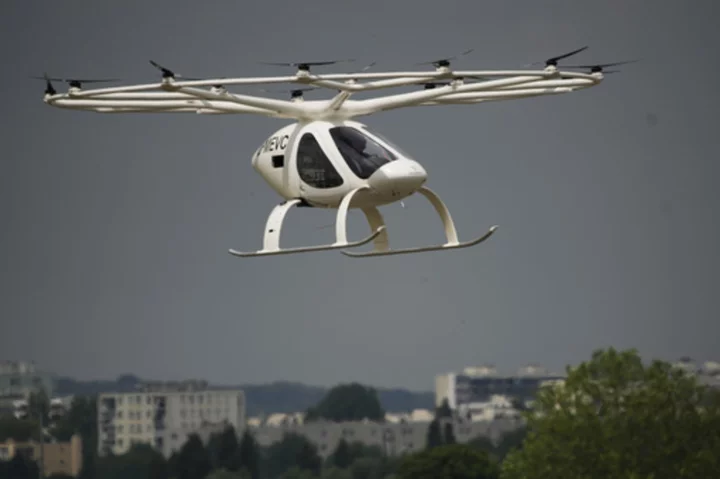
(617, 417)
(456, 461)
(348, 402)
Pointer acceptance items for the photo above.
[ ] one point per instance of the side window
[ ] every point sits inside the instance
(313, 165)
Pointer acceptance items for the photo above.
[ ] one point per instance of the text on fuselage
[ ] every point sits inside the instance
(274, 143)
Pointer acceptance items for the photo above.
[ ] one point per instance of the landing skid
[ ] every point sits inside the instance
(273, 227)
(382, 247)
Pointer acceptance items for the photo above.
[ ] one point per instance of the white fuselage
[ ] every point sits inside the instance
(321, 161)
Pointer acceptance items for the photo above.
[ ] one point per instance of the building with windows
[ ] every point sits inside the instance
(484, 385)
(18, 379)
(163, 415)
(393, 438)
(58, 458)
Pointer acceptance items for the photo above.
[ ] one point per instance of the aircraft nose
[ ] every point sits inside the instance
(402, 175)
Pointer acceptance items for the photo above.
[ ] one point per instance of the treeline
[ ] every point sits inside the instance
(276, 397)
(615, 417)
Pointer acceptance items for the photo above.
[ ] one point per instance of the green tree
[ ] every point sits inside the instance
(223, 448)
(81, 419)
(294, 450)
(449, 435)
(298, 473)
(443, 411)
(39, 406)
(348, 402)
(434, 434)
(341, 457)
(193, 460)
(510, 441)
(140, 461)
(456, 461)
(19, 467)
(248, 455)
(334, 472)
(367, 468)
(20, 430)
(617, 417)
(224, 474)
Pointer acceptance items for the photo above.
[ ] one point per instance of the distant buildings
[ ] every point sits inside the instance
(163, 415)
(18, 379)
(481, 391)
(396, 436)
(58, 458)
(707, 373)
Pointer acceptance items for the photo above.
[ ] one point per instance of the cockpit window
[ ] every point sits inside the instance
(363, 154)
(385, 140)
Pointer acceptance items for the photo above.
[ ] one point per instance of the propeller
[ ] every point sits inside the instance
(445, 62)
(72, 82)
(365, 68)
(167, 73)
(305, 66)
(554, 60)
(599, 67)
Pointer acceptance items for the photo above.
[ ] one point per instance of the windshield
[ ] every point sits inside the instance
(384, 139)
(363, 154)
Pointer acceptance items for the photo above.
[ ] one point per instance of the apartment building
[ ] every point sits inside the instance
(393, 438)
(20, 378)
(58, 458)
(163, 415)
(484, 385)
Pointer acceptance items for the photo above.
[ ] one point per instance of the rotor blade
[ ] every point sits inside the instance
(601, 65)
(167, 73)
(362, 70)
(553, 61)
(49, 90)
(305, 65)
(366, 67)
(445, 61)
(76, 80)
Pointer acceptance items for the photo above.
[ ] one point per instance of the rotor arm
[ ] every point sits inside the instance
(270, 106)
(479, 97)
(150, 106)
(377, 85)
(365, 107)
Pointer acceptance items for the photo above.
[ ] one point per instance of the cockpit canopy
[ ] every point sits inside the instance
(362, 153)
(357, 147)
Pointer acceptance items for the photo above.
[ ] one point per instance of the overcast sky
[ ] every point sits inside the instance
(115, 229)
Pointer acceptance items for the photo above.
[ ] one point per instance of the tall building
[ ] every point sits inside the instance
(481, 384)
(163, 415)
(20, 378)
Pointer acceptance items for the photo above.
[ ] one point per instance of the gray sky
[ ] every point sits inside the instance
(116, 228)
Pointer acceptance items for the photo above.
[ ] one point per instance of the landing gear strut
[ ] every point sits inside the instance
(273, 227)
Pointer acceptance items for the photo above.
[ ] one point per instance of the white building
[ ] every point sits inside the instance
(479, 384)
(164, 415)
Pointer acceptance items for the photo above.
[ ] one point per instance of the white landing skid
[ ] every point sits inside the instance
(271, 238)
(382, 247)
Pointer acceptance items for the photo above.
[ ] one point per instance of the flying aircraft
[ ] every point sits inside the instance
(326, 158)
